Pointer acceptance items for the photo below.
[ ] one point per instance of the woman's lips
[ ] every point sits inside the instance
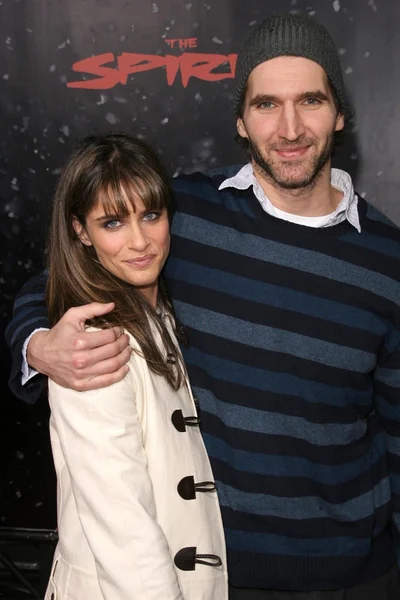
(143, 262)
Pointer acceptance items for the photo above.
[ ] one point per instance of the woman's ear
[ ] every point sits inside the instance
(81, 232)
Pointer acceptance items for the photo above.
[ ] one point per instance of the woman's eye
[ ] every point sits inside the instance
(112, 224)
(151, 216)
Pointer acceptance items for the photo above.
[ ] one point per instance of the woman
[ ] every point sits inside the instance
(138, 514)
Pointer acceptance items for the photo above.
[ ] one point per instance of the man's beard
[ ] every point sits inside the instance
(279, 174)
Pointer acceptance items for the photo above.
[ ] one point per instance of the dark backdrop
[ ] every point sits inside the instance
(48, 102)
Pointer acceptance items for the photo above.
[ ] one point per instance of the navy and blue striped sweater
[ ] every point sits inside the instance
(295, 358)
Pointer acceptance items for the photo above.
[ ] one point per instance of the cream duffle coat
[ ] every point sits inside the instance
(138, 513)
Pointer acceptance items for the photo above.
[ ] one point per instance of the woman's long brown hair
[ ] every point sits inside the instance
(102, 168)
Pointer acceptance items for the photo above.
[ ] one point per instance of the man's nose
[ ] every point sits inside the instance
(291, 125)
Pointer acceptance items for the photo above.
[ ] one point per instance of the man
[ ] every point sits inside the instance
(288, 284)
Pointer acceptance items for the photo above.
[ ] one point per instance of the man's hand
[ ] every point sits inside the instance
(78, 359)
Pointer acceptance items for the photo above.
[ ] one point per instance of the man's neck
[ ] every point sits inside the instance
(316, 200)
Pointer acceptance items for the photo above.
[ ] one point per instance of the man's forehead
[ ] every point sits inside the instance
(287, 73)
(293, 67)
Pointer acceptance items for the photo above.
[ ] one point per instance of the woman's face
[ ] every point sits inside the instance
(133, 248)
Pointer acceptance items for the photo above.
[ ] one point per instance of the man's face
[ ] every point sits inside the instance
(289, 119)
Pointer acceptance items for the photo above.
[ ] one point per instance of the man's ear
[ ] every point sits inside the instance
(339, 122)
(81, 232)
(241, 129)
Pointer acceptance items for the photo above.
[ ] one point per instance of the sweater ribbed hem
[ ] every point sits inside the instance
(310, 573)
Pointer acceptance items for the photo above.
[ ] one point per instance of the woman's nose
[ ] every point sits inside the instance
(138, 239)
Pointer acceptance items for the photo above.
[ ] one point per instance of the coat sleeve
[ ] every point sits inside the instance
(29, 313)
(102, 443)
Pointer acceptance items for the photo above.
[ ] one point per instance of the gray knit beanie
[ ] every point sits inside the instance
(291, 35)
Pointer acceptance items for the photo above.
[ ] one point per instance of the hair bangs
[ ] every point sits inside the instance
(120, 191)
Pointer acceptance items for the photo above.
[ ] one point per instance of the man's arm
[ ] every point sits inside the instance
(387, 403)
(29, 313)
(66, 353)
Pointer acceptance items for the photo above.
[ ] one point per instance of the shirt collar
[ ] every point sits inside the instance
(347, 208)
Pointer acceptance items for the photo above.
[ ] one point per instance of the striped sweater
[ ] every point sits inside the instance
(294, 357)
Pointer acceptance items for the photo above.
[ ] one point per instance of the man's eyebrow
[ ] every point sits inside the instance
(317, 94)
(261, 98)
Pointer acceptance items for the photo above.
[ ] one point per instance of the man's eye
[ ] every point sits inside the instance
(266, 105)
(312, 101)
(151, 216)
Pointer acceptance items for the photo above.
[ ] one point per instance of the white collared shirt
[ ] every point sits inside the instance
(347, 208)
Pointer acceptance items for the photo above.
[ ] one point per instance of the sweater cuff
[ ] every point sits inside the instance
(27, 371)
